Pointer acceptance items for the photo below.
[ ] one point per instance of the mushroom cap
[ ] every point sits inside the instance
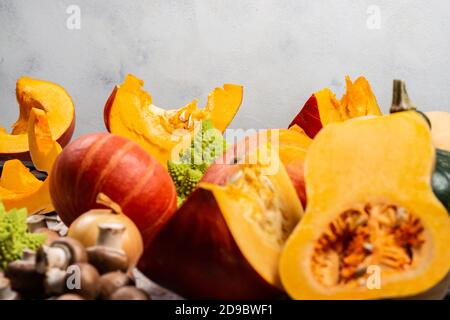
(70, 296)
(129, 293)
(107, 259)
(51, 235)
(24, 278)
(111, 281)
(74, 247)
(88, 280)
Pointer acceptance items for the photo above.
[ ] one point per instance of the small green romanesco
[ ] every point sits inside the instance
(14, 236)
(208, 144)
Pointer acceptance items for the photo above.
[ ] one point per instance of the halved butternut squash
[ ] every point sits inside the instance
(228, 238)
(373, 227)
(129, 112)
(48, 97)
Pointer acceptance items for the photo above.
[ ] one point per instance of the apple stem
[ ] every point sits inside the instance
(106, 201)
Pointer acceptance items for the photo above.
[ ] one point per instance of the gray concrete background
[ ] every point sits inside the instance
(281, 51)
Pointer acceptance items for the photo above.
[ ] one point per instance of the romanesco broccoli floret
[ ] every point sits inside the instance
(14, 236)
(208, 144)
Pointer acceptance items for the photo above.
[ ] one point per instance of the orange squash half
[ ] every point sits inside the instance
(129, 112)
(373, 227)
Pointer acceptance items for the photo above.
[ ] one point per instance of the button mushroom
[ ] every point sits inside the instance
(55, 281)
(70, 296)
(107, 255)
(83, 281)
(51, 235)
(24, 277)
(36, 221)
(111, 281)
(60, 254)
(129, 293)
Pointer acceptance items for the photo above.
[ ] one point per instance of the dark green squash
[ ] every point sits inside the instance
(441, 177)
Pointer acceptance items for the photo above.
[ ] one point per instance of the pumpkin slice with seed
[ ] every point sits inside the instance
(130, 112)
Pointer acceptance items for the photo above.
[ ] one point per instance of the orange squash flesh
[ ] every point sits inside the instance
(323, 108)
(48, 97)
(129, 112)
(363, 165)
(19, 188)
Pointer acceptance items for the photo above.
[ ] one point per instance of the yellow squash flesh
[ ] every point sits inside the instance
(387, 160)
(259, 218)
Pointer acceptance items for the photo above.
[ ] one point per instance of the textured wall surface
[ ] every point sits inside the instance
(281, 51)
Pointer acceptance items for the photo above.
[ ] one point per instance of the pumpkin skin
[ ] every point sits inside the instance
(211, 249)
(129, 112)
(369, 165)
(119, 168)
(322, 108)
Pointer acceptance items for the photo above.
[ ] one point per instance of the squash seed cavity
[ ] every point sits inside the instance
(264, 208)
(388, 236)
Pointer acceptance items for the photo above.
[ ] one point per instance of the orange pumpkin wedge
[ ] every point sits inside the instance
(48, 97)
(129, 112)
(323, 108)
(228, 238)
(19, 188)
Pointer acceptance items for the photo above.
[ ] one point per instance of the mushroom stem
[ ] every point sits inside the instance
(106, 201)
(28, 255)
(52, 257)
(35, 222)
(6, 293)
(55, 281)
(110, 235)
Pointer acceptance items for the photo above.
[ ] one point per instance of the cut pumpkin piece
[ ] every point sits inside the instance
(36, 201)
(228, 238)
(18, 178)
(129, 112)
(373, 227)
(322, 108)
(19, 188)
(50, 98)
(44, 150)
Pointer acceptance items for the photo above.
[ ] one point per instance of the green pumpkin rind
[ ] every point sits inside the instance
(441, 177)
